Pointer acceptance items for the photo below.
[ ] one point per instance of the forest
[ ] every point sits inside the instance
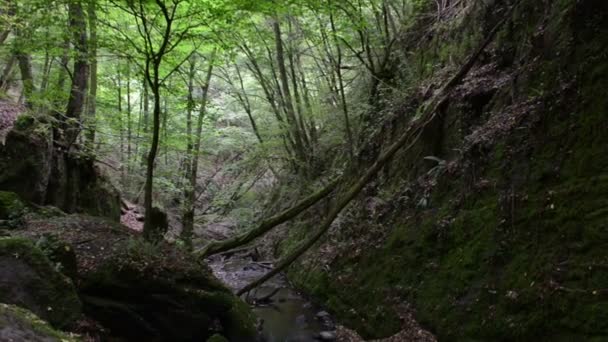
(312, 170)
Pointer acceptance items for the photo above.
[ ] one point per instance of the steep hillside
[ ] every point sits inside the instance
(501, 234)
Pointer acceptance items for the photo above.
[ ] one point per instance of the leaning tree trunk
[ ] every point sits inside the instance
(406, 141)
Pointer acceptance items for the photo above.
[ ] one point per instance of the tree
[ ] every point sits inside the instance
(78, 93)
(161, 26)
(194, 147)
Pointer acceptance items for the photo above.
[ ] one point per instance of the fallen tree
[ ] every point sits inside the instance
(216, 247)
(405, 142)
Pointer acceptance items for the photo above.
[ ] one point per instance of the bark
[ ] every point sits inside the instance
(289, 108)
(78, 27)
(129, 123)
(6, 72)
(268, 224)
(10, 5)
(149, 229)
(121, 147)
(338, 70)
(190, 105)
(190, 203)
(408, 139)
(27, 78)
(145, 115)
(92, 101)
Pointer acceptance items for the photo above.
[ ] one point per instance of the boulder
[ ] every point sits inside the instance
(25, 164)
(60, 253)
(157, 293)
(18, 324)
(41, 173)
(31, 281)
(11, 205)
(217, 338)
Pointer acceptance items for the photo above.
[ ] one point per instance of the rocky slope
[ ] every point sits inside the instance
(501, 234)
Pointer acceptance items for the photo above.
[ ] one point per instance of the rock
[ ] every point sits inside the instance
(160, 225)
(60, 253)
(217, 338)
(155, 292)
(34, 169)
(10, 205)
(30, 280)
(25, 164)
(17, 324)
(322, 315)
(327, 336)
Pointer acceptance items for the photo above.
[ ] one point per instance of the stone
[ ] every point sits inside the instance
(18, 324)
(155, 292)
(31, 281)
(327, 336)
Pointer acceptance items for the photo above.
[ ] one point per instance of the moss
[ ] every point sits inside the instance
(11, 205)
(239, 321)
(32, 281)
(217, 338)
(525, 258)
(143, 276)
(15, 323)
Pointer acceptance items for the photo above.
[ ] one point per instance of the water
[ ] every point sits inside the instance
(288, 317)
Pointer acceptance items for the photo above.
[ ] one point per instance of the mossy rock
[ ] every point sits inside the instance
(217, 338)
(11, 205)
(60, 253)
(31, 281)
(151, 291)
(18, 324)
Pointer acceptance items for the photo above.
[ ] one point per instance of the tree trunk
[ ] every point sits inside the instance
(190, 200)
(338, 71)
(146, 115)
(129, 124)
(265, 226)
(289, 108)
(407, 139)
(27, 79)
(6, 72)
(78, 92)
(92, 101)
(150, 232)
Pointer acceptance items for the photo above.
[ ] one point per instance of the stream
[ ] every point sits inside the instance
(287, 316)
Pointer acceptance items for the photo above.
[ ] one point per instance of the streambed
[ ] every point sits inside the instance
(287, 316)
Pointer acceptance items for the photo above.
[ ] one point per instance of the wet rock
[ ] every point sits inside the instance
(302, 322)
(30, 280)
(17, 324)
(322, 315)
(327, 336)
